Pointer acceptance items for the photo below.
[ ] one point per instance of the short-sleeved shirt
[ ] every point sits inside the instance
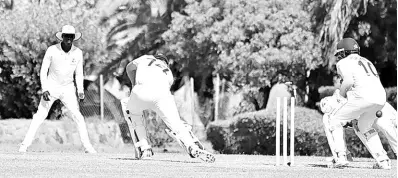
(366, 79)
(151, 71)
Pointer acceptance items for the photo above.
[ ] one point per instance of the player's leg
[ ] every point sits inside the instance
(37, 120)
(328, 133)
(167, 110)
(371, 150)
(352, 109)
(132, 130)
(362, 137)
(387, 124)
(133, 113)
(189, 127)
(126, 115)
(331, 142)
(371, 137)
(69, 100)
(328, 106)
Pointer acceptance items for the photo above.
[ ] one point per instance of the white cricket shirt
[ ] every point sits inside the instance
(151, 71)
(58, 67)
(366, 79)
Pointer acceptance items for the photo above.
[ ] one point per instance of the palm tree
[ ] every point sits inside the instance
(332, 19)
(372, 23)
(135, 28)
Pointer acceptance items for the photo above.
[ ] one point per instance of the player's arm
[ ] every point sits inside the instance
(44, 73)
(131, 70)
(343, 69)
(79, 75)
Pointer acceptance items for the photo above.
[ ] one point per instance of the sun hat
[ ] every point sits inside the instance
(68, 29)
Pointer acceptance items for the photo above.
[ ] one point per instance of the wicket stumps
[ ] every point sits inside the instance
(285, 129)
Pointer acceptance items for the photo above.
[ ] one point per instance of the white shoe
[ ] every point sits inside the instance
(22, 149)
(197, 143)
(385, 164)
(147, 154)
(90, 150)
(330, 159)
(196, 140)
(341, 161)
(202, 154)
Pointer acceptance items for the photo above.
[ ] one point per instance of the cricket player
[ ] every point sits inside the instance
(385, 123)
(365, 97)
(151, 79)
(60, 63)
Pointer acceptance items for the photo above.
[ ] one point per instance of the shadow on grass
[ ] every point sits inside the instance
(325, 166)
(161, 160)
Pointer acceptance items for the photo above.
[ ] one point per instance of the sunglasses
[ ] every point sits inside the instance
(68, 36)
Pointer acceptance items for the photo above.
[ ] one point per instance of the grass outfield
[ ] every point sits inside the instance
(69, 161)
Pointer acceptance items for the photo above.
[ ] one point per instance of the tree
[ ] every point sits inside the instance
(27, 30)
(6, 4)
(252, 44)
(372, 23)
(135, 28)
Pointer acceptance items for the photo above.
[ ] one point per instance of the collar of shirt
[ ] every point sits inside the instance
(71, 50)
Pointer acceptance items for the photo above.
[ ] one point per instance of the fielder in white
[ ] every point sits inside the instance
(60, 63)
(365, 97)
(151, 80)
(385, 123)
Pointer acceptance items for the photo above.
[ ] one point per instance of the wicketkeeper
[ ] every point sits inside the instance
(151, 80)
(385, 123)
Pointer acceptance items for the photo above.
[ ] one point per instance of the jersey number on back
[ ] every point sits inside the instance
(164, 69)
(368, 68)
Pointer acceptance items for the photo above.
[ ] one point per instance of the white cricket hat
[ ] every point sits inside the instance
(68, 29)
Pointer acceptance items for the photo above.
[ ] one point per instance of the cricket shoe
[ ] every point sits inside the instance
(147, 154)
(22, 149)
(197, 143)
(385, 164)
(90, 150)
(330, 160)
(341, 161)
(202, 154)
(175, 137)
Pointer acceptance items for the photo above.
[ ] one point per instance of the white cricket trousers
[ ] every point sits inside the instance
(68, 97)
(357, 108)
(159, 99)
(387, 124)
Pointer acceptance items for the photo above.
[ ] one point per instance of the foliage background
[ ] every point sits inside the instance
(253, 45)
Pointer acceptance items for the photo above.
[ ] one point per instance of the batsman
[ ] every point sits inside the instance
(365, 101)
(151, 79)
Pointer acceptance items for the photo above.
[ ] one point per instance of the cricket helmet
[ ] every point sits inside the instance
(346, 47)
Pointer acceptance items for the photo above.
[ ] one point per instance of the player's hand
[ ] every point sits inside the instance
(339, 98)
(348, 124)
(46, 96)
(81, 96)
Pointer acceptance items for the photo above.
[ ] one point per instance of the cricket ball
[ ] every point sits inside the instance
(379, 114)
